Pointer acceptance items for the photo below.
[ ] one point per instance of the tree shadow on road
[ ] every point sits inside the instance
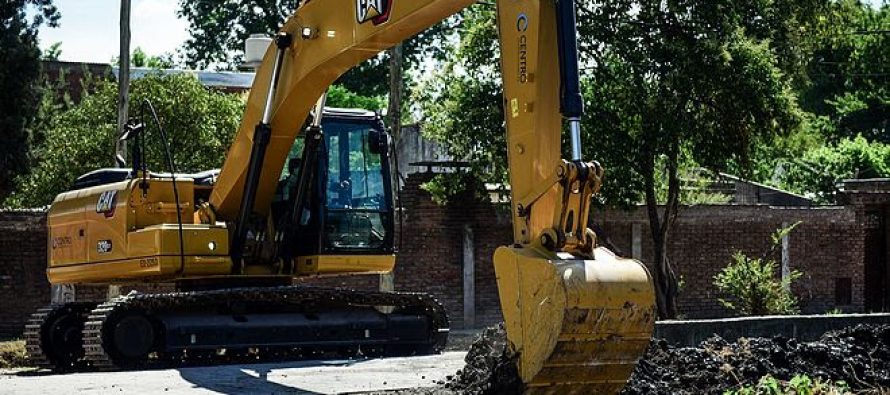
(238, 379)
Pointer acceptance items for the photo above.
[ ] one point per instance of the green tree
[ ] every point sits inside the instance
(53, 52)
(817, 172)
(692, 80)
(849, 70)
(19, 80)
(338, 96)
(199, 122)
(462, 103)
(220, 28)
(141, 59)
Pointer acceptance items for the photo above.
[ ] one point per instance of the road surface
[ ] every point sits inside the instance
(303, 377)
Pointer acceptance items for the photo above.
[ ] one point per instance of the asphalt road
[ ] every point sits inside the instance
(304, 377)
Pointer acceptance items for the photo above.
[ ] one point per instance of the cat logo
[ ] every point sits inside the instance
(376, 11)
(107, 203)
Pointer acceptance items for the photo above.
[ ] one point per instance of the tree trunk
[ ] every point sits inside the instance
(666, 286)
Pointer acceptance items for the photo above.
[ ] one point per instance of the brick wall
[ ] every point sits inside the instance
(431, 254)
(23, 285)
(828, 246)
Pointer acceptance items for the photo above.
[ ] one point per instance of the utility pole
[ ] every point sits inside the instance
(123, 80)
(123, 103)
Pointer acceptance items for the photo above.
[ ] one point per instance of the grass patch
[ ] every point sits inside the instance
(13, 355)
(798, 385)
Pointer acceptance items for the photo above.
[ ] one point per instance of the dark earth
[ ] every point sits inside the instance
(860, 356)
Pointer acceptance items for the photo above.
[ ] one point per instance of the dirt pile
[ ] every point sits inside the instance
(859, 356)
(491, 369)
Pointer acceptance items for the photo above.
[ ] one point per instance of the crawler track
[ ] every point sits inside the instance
(53, 336)
(160, 314)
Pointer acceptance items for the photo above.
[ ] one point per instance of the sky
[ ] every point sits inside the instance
(89, 28)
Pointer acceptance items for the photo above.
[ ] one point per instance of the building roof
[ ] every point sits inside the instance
(237, 81)
(750, 192)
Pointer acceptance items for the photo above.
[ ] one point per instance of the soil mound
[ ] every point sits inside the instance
(860, 356)
(491, 369)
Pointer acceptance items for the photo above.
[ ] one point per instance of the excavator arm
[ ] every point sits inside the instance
(326, 39)
(577, 316)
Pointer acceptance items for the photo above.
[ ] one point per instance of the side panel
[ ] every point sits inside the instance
(115, 232)
(79, 220)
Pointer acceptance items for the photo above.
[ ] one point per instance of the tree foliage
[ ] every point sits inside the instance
(219, 29)
(19, 78)
(817, 172)
(199, 122)
(462, 103)
(691, 80)
(849, 72)
(338, 96)
(141, 59)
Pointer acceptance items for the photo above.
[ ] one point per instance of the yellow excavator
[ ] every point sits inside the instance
(234, 240)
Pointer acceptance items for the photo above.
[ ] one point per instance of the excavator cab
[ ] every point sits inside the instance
(348, 207)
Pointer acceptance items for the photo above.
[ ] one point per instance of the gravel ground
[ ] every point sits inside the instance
(302, 377)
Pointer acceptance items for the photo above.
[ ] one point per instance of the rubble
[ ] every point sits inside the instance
(491, 367)
(859, 356)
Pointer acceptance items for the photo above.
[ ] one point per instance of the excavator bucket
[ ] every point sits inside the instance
(578, 326)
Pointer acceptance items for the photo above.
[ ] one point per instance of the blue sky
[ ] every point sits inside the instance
(89, 31)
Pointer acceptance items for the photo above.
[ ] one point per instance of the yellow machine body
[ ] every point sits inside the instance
(578, 316)
(115, 234)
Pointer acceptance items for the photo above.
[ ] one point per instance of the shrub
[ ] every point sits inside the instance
(752, 285)
(13, 355)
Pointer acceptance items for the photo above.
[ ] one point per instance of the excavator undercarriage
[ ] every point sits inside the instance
(141, 331)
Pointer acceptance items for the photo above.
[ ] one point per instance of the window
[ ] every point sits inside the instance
(843, 291)
(356, 196)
